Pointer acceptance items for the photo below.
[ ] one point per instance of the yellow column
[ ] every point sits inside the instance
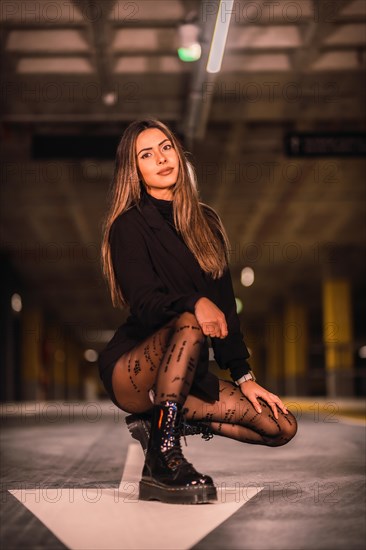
(31, 354)
(295, 345)
(274, 361)
(338, 336)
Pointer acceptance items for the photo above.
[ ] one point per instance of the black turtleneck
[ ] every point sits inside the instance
(165, 208)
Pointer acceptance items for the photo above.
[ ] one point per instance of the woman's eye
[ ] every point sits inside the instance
(166, 147)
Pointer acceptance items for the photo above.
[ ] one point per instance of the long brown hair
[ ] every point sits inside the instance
(198, 224)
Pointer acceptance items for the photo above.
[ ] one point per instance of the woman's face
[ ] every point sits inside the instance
(157, 162)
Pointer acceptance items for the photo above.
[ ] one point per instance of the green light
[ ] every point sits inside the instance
(192, 53)
(239, 305)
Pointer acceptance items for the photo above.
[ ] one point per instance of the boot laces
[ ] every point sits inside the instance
(174, 451)
(195, 428)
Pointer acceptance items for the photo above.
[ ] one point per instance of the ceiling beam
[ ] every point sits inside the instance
(315, 33)
(100, 34)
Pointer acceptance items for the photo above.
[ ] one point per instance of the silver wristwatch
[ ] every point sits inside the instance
(246, 377)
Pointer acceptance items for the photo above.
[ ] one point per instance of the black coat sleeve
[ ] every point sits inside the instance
(230, 352)
(149, 300)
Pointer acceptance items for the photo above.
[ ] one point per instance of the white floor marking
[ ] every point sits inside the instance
(114, 519)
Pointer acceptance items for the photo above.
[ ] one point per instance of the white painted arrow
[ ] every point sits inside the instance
(108, 518)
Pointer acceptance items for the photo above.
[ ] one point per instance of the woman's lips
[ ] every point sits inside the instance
(165, 172)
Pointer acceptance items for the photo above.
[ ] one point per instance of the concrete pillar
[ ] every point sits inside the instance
(295, 346)
(31, 354)
(56, 360)
(338, 336)
(72, 369)
(60, 373)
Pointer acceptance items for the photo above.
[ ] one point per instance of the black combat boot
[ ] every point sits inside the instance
(167, 476)
(139, 426)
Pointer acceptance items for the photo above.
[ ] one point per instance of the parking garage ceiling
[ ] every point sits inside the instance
(74, 74)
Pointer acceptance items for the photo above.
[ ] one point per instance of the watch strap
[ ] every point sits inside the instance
(249, 376)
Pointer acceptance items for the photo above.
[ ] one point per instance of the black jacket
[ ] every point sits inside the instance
(160, 278)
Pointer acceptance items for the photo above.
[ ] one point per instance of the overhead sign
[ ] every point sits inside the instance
(325, 144)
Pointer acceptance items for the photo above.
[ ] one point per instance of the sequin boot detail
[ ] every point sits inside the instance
(139, 426)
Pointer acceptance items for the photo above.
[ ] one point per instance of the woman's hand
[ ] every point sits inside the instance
(210, 318)
(252, 390)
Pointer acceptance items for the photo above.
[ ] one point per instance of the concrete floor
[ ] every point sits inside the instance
(309, 494)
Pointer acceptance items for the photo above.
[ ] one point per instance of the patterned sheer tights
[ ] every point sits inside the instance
(166, 363)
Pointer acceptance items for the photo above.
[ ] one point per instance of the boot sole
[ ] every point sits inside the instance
(176, 495)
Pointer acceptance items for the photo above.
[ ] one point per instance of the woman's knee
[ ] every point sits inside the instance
(186, 317)
(188, 321)
(287, 431)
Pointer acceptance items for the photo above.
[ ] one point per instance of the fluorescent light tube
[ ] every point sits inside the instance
(219, 36)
